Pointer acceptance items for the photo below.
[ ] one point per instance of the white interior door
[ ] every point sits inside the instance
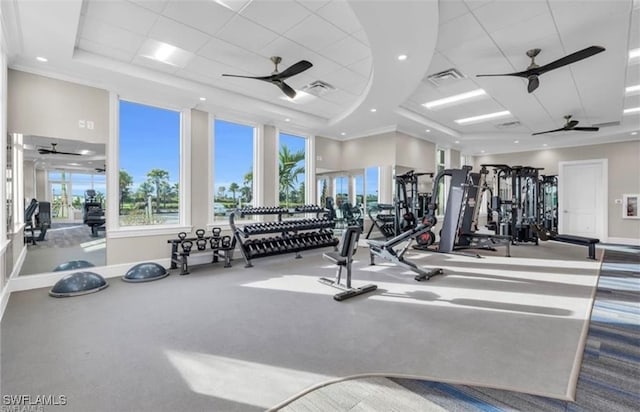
(582, 198)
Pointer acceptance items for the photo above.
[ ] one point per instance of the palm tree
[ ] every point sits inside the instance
(289, 170)
(126, 180)
(157, 177)
(233, 187)
(221, 190)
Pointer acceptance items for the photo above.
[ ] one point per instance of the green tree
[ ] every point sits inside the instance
(289, 170)
(157, 177)
(246, 194)
(233, 188)
(144, 191)
(323, 194)
(125, 182)
(221, 191)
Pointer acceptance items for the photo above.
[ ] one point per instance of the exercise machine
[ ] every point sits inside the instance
(93, 212)
(343, 258)
(548, 202)
(387, 250)
(37, 216)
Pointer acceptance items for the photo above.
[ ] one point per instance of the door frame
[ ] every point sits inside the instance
(603, 230)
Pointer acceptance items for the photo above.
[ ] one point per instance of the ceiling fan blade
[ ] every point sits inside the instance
(265, 78)
(586, 129)
(297, 68)
(550, 131)
(571, 124)
(518, 74)
(571, 58)
(286, 89)
(534, 82)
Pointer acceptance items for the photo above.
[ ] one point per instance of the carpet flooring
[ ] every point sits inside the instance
(609, 378)
(245, 339)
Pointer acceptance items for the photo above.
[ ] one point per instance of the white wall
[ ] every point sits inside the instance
(42, 106)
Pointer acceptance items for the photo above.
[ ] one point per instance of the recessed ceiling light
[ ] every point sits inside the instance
(287, 120)
(42, 59)
(544, 144)
(483, 117)
(73, 164)
(457, 141)
(428, 130)
(455, 98)
(632, 89)
(634, 133)
(516, 141)
(634, 53)
(632, 110)
(373, 110)
(402, 57)
(202, 99)
(481, 151)
(342, 134)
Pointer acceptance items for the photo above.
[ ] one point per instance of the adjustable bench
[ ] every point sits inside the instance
(589, 242)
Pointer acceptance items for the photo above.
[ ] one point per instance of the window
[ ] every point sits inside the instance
(149, 144)
(358, 182)
(371, 187)
(341, 189)
(322, 187)
(67, 191)
(291, 170)
(232, 167)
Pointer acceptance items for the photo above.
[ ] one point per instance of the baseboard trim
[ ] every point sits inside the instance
(42, 280)
(624, 241)
(6, 291)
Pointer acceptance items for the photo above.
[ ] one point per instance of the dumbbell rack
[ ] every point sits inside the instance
(183, 247)
(294, 235)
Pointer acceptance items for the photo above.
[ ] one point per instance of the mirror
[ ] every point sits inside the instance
(67, 180)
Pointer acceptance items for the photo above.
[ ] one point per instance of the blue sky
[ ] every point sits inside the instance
(149, 138)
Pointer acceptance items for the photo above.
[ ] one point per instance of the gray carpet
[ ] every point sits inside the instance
(245, 339)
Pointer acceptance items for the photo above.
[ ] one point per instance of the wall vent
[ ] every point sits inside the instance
(508, 125)
(446, 76)
(318, 88)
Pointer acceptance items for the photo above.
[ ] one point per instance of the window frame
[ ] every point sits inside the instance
(114, 230)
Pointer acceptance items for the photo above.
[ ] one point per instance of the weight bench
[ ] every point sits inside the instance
(386, 251)
(589, 242)
(344, 258)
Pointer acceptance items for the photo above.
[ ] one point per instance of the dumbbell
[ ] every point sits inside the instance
(182, 236)
(186, 246)
(200, 233)
(249, 247)
(201, 243)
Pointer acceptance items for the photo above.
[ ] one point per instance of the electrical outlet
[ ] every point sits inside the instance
(81, 124)
(90, 124)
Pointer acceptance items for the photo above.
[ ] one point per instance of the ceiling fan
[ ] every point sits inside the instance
(570, 125)
(53, 150)
(101, 169)
(533, 71)
(278, 78)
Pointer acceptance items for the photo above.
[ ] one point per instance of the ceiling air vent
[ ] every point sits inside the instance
(508, 125)
(446, 76)
(607, 124)
(318, 88)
